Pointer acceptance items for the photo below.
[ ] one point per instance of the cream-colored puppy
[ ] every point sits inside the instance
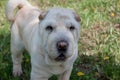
(51, 38)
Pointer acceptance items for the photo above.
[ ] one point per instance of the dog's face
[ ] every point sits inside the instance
(59, 31)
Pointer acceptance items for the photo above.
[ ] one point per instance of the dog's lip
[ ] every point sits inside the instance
(61, 57)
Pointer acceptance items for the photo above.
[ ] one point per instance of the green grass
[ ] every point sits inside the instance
(100, 38)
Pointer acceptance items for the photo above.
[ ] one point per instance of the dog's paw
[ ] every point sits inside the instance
(17, 70)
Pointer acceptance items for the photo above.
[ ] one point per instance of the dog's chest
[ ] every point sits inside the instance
(57, 69)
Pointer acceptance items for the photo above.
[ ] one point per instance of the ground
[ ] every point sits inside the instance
(99, 44)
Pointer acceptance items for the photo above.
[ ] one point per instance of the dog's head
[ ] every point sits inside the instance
(59, 31)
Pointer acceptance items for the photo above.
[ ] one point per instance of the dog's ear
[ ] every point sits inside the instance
(42, 15)
(77, 17)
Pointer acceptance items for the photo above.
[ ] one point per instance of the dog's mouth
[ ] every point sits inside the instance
(61, 57)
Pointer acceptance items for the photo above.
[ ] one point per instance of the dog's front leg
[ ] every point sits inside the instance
(65, 75)
(39, 74)
(35, 76)
(38, 78)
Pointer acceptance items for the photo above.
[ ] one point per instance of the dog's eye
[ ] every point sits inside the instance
(49, 28)
(72, 28)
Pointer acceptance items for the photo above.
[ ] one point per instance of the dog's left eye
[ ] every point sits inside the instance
(49, 28)
(72, 28)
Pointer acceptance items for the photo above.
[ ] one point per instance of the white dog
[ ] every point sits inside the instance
(51, 37)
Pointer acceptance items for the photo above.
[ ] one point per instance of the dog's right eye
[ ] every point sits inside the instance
(72, 28)
(49, 28)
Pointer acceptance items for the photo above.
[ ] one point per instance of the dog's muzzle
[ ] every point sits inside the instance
(62, 47)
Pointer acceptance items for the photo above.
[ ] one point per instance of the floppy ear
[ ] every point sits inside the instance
(77, 17)
(42, 15)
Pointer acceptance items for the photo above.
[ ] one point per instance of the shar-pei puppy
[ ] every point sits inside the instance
(51, 38)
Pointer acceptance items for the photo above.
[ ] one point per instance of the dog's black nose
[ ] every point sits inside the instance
(62, 46)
